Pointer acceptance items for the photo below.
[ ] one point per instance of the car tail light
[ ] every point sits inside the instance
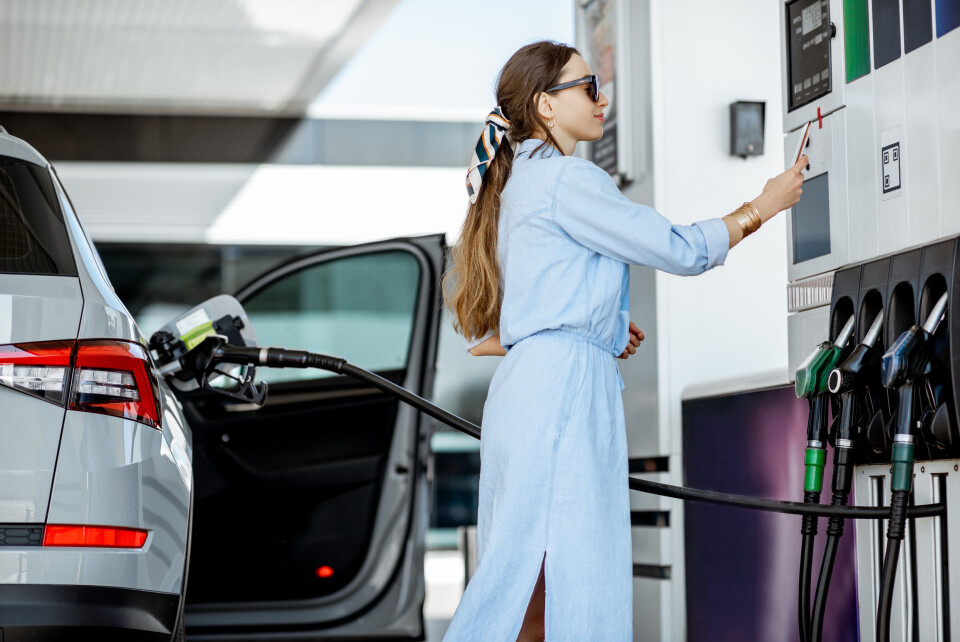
(100, 536)
(113, 378)
(38, 369)
(102, 376)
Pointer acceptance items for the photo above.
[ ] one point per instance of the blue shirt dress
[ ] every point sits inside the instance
(553, 452)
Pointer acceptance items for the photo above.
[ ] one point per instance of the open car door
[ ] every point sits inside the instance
(310, 511)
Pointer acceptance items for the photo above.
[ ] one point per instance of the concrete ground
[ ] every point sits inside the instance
(443, 571)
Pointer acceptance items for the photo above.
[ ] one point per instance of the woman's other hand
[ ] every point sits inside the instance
(781, 192)
(636, 336)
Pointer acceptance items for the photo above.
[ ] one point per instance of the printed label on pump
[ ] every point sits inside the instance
(192, 320)
(891, 178)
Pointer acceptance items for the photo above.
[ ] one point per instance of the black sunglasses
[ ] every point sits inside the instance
(593, 81)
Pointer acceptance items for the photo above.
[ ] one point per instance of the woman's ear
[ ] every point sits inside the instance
(545, 106)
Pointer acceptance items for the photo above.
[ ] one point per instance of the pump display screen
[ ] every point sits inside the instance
(808, 50)
(811, 220)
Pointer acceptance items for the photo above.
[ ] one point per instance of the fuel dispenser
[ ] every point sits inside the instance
(873, 240)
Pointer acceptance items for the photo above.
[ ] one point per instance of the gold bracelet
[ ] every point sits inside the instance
(755, 214)
(746, 222)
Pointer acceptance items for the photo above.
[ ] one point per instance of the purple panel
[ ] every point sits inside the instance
(741, 565)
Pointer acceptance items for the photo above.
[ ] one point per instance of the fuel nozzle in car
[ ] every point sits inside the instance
(901, 368)
(811, 384)
(850, 380)
(186, 350)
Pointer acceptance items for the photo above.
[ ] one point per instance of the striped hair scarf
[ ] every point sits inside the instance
(495, 127)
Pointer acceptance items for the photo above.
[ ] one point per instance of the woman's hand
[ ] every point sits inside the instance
(636, 336)
(781, 192)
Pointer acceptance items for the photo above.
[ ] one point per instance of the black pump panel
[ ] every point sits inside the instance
(903, 285)
(906, 286)
(846, 286)
(872, 297)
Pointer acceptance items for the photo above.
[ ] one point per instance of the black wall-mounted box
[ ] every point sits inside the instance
(746, 128)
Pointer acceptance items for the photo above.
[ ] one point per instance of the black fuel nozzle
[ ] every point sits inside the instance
(851, 380)
(201, 363)
(862, 365)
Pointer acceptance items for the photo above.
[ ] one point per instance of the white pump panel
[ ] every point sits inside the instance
(900, 110)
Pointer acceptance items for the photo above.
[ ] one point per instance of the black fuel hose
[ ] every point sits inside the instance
(282, 358)
(842, 480)
(888, 577)
(896, 528)
(826, 573)
(803, 590)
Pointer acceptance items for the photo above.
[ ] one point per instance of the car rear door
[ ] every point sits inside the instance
(310, 511)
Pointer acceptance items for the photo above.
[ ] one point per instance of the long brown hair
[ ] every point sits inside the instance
(472, 286)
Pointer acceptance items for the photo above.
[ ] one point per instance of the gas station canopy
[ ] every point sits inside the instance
(243, 57)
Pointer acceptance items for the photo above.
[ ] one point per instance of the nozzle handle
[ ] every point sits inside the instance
(933, 319)
(845, 333)
(874, 332)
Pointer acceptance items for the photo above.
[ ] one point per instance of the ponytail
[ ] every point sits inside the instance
(472, 288)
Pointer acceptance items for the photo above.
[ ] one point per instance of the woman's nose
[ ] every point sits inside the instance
(603, 102)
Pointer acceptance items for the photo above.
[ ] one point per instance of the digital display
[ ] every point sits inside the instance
(811, 18)
(811, 220)
(808, 49)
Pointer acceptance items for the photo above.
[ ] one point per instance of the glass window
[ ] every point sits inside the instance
(360, 308)
(33, 237)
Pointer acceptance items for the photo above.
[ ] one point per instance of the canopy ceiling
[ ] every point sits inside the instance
(250, 57)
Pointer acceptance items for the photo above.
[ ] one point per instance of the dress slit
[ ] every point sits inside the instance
(537, 608)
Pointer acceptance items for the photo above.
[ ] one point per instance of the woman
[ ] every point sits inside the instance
(541, 276)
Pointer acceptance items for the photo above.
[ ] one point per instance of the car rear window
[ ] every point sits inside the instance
(33, 236)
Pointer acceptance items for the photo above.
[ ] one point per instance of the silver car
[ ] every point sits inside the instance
(311, 510)
(96, 476)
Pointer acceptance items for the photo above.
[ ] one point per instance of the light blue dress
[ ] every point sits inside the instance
(553, 473)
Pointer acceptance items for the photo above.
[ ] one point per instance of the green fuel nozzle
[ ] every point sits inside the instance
(813, 372)
(812, 385)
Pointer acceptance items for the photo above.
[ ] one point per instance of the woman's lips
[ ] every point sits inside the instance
(600, 118)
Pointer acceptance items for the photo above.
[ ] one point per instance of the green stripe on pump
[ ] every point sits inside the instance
(856, 38)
